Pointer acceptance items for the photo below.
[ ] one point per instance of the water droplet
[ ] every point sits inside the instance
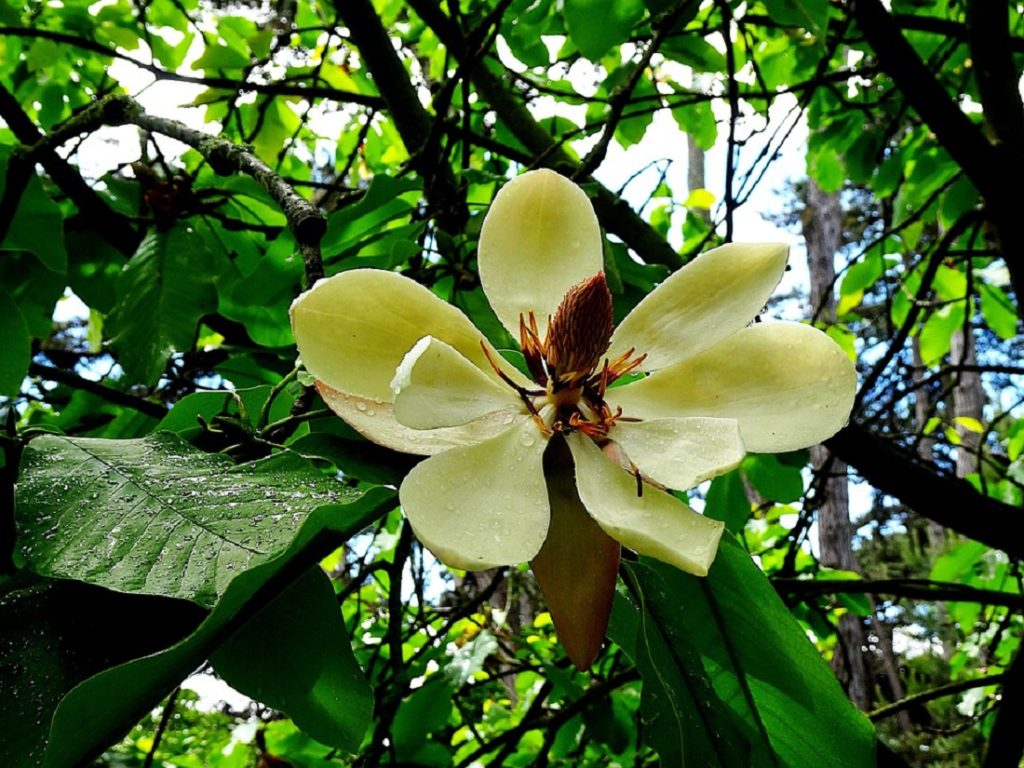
(360, 406)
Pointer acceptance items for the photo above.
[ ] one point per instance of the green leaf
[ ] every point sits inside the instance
(695, 52)
(295, 656)
(156, 516)
(938, 330)
(773, 478)
(763, 667)
(94, 271)
(960, 563)
(727, 501)
(594, 26)
(37, 225)
(80, 728)
(864, 273)
(386, 199)
(809, 14)
(684, 719)
(221, 56)
(698, 121)
(183, 418)
(426, 711)
(163, 291)
(956, 201)
(16, 349)
(699, 198)
(998, 311)
(34, 289)
(826, 168)
(55, 634)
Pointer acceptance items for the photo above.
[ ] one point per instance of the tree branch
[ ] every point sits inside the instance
(935, 693)
(1006, 740)
(226, 83)
(411, 118)
(115, 227)
(949, 501)
(662, 26)
(922, 589)
(986, 166)
(614, 213)
(225, 157)
(111, 395)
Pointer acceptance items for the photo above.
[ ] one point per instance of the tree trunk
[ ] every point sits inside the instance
(695, 157)
(968, 399)
(822, 222)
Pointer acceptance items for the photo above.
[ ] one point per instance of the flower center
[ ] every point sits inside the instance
(569, 364)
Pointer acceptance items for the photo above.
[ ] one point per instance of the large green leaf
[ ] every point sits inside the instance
(81, 728)
(760, 662)
(164, 290)
(55, 634)
(156, 516)
(684, 719)
(294, 655)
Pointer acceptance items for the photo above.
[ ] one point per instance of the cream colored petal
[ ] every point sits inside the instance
(706, 301)
(435, 386)
(656, 524)
(353, 329)
(680, 453)
(539, 238)
(375, 420)
(483, 505)
(789, 386)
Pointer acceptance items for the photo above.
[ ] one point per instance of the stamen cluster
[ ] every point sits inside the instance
(567, 362)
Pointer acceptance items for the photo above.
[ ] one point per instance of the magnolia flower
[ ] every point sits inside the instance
(560, 466)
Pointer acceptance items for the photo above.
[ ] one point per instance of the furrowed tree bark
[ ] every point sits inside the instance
(822, 222)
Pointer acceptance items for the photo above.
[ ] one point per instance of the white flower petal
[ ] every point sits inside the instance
(656, 524)
(375, 420)
(789, 386)
(680, 453)
(539, 238)
(706, 301)
(435, 386)
(483, 505)
(353, 329)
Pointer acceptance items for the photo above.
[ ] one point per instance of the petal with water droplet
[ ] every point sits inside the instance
(353, 329)
(788, 384)
(376, 421)
(706, 301)
(656, 524)
(539, 238)
(435, 386)
(483, 505)
(680, 453)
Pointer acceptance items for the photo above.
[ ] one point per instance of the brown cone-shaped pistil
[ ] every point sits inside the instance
(579, 333)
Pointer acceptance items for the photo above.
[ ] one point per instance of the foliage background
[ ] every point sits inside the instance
(175, 497)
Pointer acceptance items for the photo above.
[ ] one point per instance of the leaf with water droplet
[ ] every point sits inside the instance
(162, 518)
(724, 664)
